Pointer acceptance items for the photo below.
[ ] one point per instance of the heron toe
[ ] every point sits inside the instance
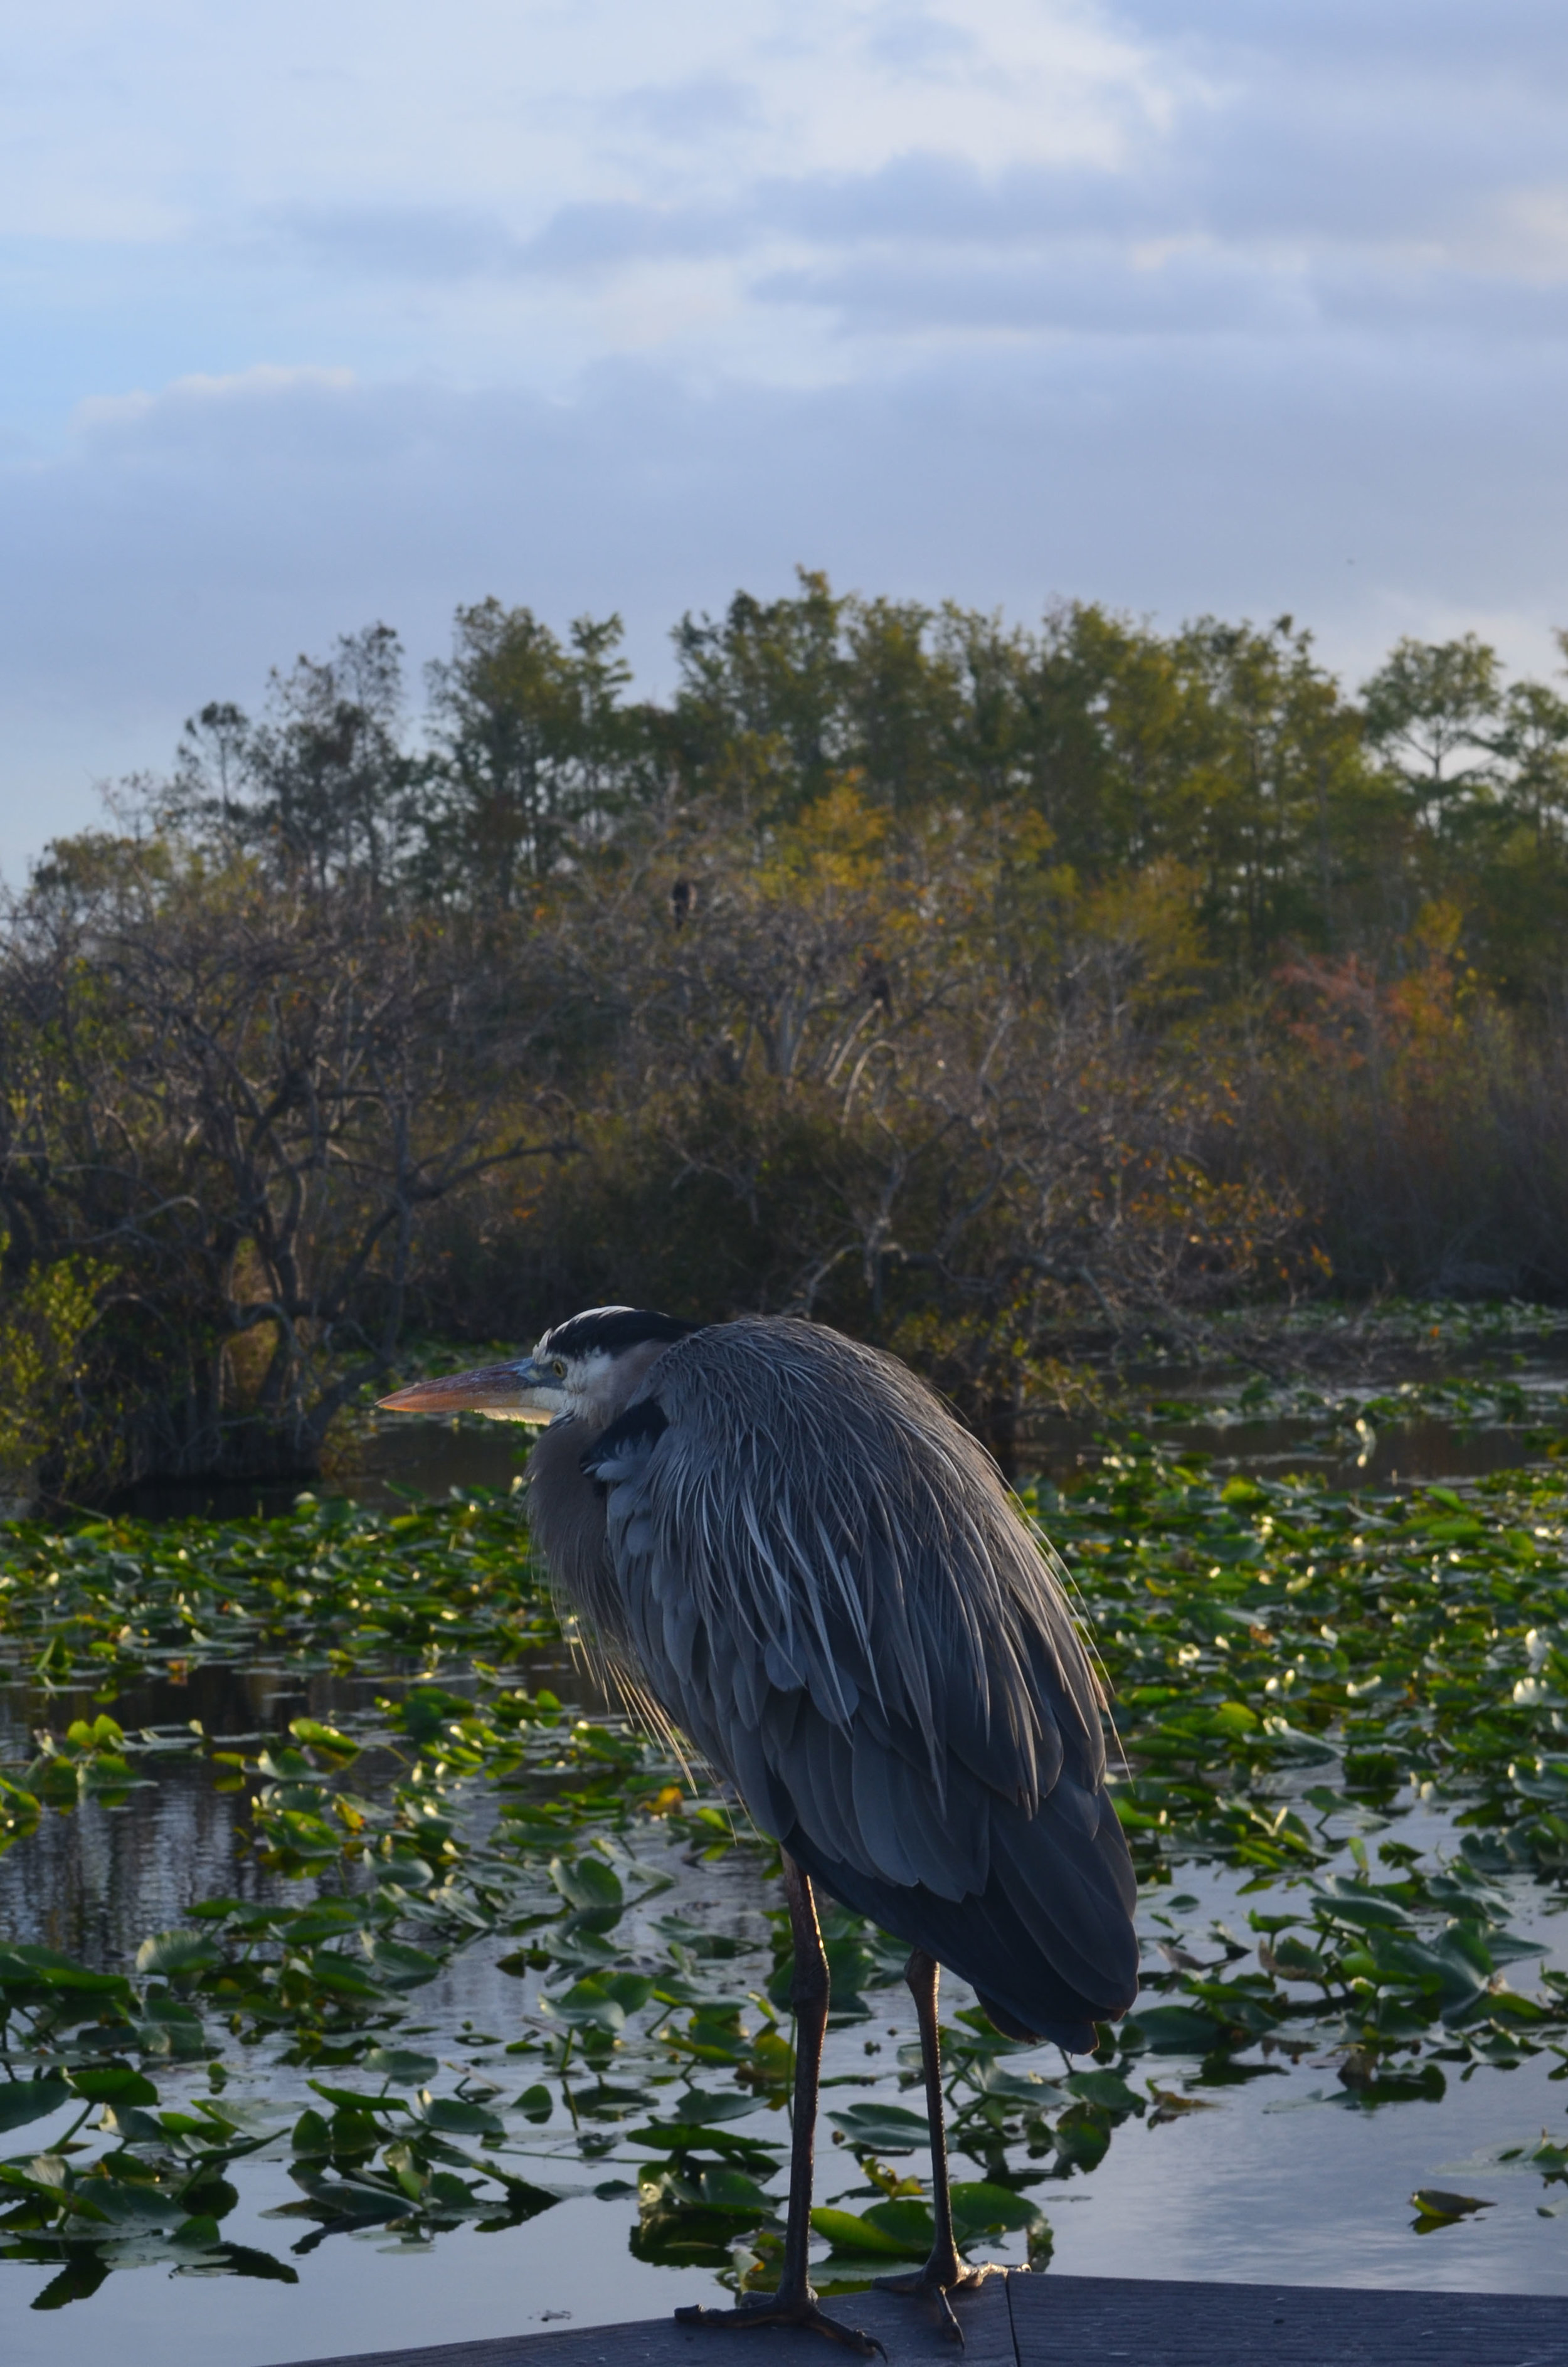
(935, 2282)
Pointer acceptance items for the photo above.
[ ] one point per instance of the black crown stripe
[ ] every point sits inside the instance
(612, 1328)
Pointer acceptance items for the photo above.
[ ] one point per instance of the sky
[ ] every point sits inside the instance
(331, 313)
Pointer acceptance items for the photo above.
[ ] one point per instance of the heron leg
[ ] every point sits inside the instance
(943, 2272)
(794, 2303)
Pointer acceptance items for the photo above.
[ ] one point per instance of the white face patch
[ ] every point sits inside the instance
(581, 1379)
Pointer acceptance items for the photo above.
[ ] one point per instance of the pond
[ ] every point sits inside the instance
(462, 2022)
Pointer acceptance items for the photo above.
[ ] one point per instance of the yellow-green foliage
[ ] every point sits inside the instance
(44, 1321)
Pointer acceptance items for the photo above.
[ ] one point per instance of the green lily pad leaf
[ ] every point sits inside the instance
(327, 1920)
(325, 1739)
(113, 2083)
(25, 1967)
(693, 2137)
(1174, 2030)
(22, 2101)
(982, 2209)
(352, 2100)
(1107, 2090)
(134, 2127)
(400, 1966)
(177, 1952)
(311, 2133)
(1363, 1911)
(608, 2103)
(1510, 1948)
(127, 2203)
(1234, 1717)
(1295, 1962)
(727, 2104)
(849, 2231)
(600, 2001)
(401, 2067)
(882, 2128)
(726, 2188)
(343, 1977)
(456, 2117)
(354, 2133)
(1436, 2202)
(199, 2233)
(588, 1884)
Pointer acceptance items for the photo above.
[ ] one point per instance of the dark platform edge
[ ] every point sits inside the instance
(1018, 2320)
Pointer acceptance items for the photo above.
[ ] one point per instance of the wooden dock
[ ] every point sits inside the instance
(1053, 2321)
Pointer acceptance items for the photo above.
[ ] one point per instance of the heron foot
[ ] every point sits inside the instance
(779, 2309)
(936, 2280)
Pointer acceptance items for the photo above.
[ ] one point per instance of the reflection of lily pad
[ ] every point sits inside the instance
(1174, 2030)
(240, 2261)
(692, 2220)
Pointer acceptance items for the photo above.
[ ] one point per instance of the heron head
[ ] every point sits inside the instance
(587, 1367)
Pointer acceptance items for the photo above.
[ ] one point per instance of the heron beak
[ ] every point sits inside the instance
(515, 1392)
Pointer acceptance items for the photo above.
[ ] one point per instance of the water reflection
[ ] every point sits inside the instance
(1421, 1448)
(397, 1456)
(398, 1459)
(97, 1876)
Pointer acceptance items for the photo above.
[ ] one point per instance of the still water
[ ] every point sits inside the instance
(1274, 2176)
(428, 1458)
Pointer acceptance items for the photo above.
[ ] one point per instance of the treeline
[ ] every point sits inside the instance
(1300, 818)
(978, 989)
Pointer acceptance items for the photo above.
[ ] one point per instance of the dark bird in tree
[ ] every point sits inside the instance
(785, 1541)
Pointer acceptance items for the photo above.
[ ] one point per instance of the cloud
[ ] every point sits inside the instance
(614, 234)
(698, 108)
(1088, 288)
(183, 543)
(1217, 306)
(920, 41)
(1407, 42)
(402, 241)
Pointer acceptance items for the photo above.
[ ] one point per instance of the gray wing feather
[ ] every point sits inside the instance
(822, 1579)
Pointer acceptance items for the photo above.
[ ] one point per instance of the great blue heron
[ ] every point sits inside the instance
(817, 1575)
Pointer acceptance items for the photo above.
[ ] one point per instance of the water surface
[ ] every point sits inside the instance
(1275, 2176)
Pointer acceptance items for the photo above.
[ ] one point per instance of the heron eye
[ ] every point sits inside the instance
(558, 1368)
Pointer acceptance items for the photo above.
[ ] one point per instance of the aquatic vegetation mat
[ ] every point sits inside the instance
(1292, 1670)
